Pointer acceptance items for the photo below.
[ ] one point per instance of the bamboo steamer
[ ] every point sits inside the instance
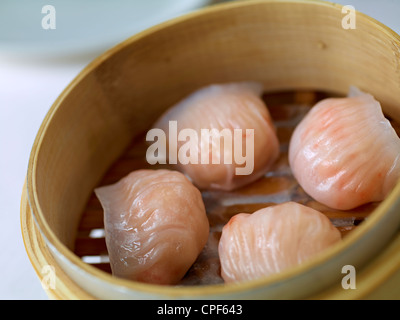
(286, 45)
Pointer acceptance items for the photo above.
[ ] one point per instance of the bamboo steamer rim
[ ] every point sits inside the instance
(51, 239)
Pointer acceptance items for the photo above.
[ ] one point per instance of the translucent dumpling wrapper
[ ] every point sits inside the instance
(236, 138)
(155, 224)
(273, 239)
(345, 153)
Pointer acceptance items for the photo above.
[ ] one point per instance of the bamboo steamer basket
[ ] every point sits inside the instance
(286, 45)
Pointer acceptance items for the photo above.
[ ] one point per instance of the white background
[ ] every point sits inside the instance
(29, 83)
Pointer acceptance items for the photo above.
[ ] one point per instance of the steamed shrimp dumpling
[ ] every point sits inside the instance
(273, 239)
(222, 109)
(345, 153)
(155, 224)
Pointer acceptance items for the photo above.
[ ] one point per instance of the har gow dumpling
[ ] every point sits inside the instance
(156, 225)
(345, 153)
(272, 239)
(225, 111)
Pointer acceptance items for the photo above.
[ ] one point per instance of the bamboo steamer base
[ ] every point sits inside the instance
(378, 280)
(40, 256)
